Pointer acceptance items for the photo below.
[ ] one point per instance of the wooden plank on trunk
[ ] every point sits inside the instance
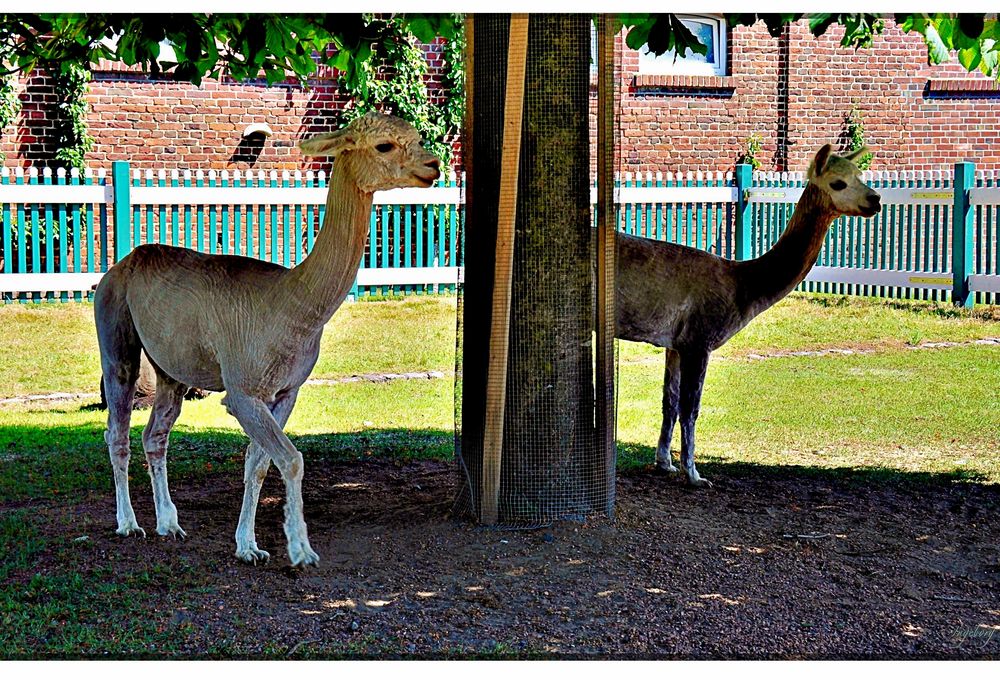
(496, 385)
(605, 284)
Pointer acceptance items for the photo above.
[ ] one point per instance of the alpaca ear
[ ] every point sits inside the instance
(855, 155)
(328, 144)
(820, 161)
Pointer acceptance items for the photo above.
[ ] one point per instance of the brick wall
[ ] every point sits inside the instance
(157, 123)
(166, 124)
(795, 91)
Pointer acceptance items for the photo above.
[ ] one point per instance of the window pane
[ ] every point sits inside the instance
(703, 32)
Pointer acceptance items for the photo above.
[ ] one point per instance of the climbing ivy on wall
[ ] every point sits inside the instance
(72, 139)
(855, 129)
(10, 104)
(395, 82)
(452, 111)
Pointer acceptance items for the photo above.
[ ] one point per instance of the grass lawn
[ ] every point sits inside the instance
(53, 347)
(890, 411)
(896, 408)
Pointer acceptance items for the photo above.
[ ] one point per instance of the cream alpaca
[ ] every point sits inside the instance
(251, 328)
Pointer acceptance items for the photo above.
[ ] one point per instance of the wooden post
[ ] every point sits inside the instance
(604, 376)
(496, 385)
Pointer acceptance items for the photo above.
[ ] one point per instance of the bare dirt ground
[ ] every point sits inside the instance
(771, 563)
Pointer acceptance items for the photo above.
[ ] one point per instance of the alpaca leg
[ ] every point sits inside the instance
(692, 380)
(166, 409)
(671, 406)
(255, 418)
(119, 387)
(120, 348)
(254, 472)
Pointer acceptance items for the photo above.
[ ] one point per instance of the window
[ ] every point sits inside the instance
(711, 31)
(167, 52)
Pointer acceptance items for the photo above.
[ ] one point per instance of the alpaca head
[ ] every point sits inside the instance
(839, 179)
(377, 152)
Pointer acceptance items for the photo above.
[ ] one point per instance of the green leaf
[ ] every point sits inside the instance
(912, 22)
(946, 28)
(937, 51)
(990, 64)
(970, 57)
(423, 27)
(666, 33)
(639, 34)
(818, 23)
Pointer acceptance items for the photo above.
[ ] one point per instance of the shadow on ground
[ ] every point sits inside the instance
(773, 562)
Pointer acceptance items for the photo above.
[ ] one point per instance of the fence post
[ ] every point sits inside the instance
(744, 216)
(121, 182)
(961, 236)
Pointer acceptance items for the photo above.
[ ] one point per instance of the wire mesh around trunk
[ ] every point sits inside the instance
(557, 454)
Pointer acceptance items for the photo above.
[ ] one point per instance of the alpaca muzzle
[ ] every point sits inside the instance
(431, 171)
(874, 205)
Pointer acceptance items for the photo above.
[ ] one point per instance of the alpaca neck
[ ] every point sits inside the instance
(322, 281)
(773, 275)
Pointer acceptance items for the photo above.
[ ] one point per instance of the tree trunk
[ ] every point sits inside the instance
(552, 465)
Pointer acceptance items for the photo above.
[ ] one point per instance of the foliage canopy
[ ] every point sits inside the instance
(974, 37)
(275, 46)
(270, 46)
(241, 46)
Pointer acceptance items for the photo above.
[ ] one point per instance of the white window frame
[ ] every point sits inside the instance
(665, 64)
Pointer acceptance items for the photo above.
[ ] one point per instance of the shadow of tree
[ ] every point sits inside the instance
(636, 459)
(50, 462)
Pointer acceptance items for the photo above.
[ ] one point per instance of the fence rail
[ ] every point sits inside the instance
(936, 237)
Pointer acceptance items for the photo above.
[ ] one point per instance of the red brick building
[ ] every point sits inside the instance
(795, 91)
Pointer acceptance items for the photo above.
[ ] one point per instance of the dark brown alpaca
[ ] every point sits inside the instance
(692, 302)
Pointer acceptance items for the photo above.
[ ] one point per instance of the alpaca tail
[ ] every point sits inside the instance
(117, 339)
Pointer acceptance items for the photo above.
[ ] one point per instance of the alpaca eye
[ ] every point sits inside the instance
(385, 147)
(838, 184)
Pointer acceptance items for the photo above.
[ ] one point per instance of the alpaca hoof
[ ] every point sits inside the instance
(665, 468)
(303, 556)
(253, 555)
(173, 531)
(132, 529)
(700, 482)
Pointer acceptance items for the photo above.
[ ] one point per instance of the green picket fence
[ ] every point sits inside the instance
(53, 222)
(907, 251)
(281, 225)
(686, 218)
(986, 235)
(62, 230)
